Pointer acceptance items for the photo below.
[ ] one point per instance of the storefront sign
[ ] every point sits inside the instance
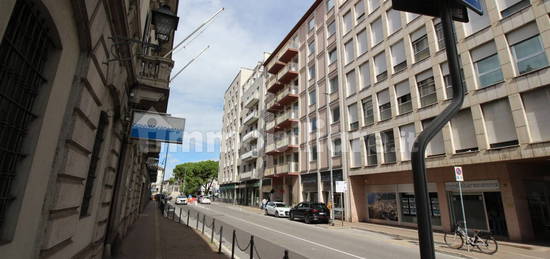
(158, 127)
(341, 186)
(474, 186)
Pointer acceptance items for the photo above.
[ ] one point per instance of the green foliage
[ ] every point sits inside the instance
(196, 175)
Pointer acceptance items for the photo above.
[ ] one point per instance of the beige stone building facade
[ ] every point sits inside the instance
(354, 82)
(71, 180)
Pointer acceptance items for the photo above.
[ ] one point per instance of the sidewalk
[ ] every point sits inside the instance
(156, 237)
(505, 249)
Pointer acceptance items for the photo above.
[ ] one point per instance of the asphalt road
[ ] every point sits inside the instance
(273, 235)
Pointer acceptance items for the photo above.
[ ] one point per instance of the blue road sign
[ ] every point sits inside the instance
(474, 5)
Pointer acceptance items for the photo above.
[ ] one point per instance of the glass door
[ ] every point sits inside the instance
(474, 207)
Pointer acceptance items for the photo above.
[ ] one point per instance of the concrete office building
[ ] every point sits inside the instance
(241, 158)
(354, 82)
(71, 180)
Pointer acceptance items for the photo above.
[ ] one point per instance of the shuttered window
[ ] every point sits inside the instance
(403, 95)
(407, 137)
(537, 105)
(487, 64)
(399, 61)
(464, 135)
(499, 123)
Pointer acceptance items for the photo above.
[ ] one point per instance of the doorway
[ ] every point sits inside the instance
(495, 213)
(538, 199)
(474, 208)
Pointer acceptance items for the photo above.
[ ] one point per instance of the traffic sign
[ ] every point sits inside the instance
(340, 186)
(474, 5)
(459, 175)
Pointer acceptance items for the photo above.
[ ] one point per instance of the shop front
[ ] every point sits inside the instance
(227, 192)
(266, 189)
(310, 190)
(326, 189)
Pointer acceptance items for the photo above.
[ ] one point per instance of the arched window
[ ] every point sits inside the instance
(23, 51)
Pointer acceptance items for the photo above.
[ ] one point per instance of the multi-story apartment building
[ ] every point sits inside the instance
(242, 158)
(71, 180)
(354, 82)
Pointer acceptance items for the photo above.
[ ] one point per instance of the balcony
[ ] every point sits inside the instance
(247, 175)
(270, 125)
(288, 73)
(249, 155)
(251, 100)
(286, 143)
(273, 84)
(286, 119)
(275, 67)
(269, 171)
(270, 149)
(288, 52)
(272, 105)
(153, 77)
(250, 118)
(252, 135)
(287, 168)
(288, 95)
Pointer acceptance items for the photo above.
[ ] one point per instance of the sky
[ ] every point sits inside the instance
(237, 37)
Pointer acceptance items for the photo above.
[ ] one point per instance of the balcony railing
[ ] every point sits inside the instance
(250, 174)
(289, 51)
(270, 148)
(288, 167)
(251, 117)
(288, 73)
(273, 83)
(251, 100)
(154, 71)
(286, 142)
(251, 154)
(270, 125)
(284, 120)
(269, 171)
(254, 134)
(288, 95)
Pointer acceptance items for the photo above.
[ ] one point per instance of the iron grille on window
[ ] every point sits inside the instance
(23, 53)
(103, 121)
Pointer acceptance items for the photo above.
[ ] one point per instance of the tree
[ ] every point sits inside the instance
(197, 175)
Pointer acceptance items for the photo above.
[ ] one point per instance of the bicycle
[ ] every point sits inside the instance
(484, 241)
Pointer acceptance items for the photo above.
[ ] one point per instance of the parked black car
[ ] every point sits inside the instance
(310, 212)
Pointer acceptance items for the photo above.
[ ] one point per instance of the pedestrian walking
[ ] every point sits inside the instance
(264, 202)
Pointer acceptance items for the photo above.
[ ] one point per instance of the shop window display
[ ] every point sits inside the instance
(408, 208)
(382, 206)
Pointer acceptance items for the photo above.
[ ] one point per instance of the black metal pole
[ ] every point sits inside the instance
(286, 255)
(251, 247)
(188, 216)
(425, 234)
(203, 222)
(213, 230)
(197, 227)
(179, 218)
(221, 240)
(233, 246)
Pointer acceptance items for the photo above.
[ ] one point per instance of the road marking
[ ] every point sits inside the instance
(289, 235)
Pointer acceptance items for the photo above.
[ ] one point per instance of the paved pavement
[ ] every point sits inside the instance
(155, 237)
(273, 235)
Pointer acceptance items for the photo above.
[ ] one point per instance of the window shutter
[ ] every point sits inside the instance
(463, 130)
(424, 75)
(483, 51)
(383, 97)
(498, 121)
(402, 88)
(522, 33)
(418, 34)
(398, 53)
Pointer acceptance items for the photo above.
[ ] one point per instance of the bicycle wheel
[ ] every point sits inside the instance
(453, 240)
(487, 245)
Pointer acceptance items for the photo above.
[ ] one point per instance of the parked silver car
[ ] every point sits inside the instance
(278, 209)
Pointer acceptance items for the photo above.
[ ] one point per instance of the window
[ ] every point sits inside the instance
(312, 124)
(439, 34)
(330, 5)
(477, 22)
(407, 136)
(527, 48)
(499, 123)
(94, 159)
(403, 94)
(364, 74)
(376, 31)
(312, 97)
(311, 48)
(355, 146)
(388, 143)
(420, 46)
(333, 83)
(368, 111)
(336, 147)
(352, 116)
(426, 88)
(22, 76)
(346, 20)
(384, 105)
(350, 83)
(447, 80)
(464, 135)
(360, 9)
(331, 28)
(311, 24)
(487, 64)
(436, 146)
(509, 7)
(313, 156)
(394, 21)
(348, 51)
(332, 56)
(362, 42)
(410, 16)
(311, 72)
(373, 5)
(537, 105)
(335, 114)
(398, 58)
(370, 142)
(380, 67)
